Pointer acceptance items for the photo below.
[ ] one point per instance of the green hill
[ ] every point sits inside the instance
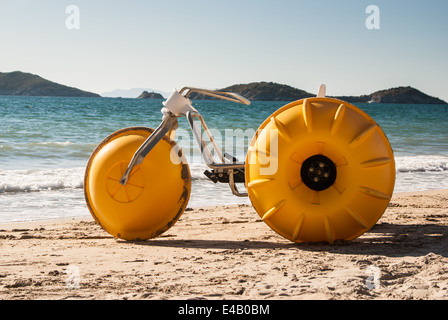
(26, 84)
(270, 91)
(263, 91)
(398, 95)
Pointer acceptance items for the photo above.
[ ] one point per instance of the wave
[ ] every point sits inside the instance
(15, 181)
(422, 163)
(197, 171)
(51, 143)
(19, 181)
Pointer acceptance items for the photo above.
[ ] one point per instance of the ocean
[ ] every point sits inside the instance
(45, 143)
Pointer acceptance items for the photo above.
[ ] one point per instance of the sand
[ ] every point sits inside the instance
(227, 252)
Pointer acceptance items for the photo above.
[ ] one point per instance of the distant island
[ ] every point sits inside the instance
(132, 93)
(398, 95)
(150, 95)
(26, 84)
(270, 91)
(262, 91)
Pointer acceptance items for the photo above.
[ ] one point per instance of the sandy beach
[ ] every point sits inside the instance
(227, 252)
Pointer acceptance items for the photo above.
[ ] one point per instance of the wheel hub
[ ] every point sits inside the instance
(318, 172)
(129, 192)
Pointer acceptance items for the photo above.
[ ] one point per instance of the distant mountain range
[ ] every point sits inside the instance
(25, 84)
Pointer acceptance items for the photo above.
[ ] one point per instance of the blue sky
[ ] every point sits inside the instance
(172, 43)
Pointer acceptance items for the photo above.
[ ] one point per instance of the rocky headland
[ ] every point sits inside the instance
(150, 95)
(26, 84)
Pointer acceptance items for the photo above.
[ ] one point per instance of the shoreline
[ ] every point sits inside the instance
(55, 221)
(227, 252)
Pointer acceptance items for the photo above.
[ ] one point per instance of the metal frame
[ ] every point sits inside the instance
(169, 125)
(223, 167)
(229, 96)
(166, 125)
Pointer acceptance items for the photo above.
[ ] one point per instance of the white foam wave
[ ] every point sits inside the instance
(52, 143)
(197, 171)
(17, 181)
(40, 180)
(422, 163)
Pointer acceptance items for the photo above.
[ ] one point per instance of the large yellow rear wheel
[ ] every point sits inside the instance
(320, 169)
(157, 191)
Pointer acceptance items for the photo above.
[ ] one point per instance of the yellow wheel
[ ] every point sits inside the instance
(320, 169)
(157, 191)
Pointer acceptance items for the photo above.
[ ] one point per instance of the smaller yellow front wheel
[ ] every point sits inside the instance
(155, 195)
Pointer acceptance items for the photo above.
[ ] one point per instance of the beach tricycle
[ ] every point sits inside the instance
(318, 169)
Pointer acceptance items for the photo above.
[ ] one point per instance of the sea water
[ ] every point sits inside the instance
(45, 144)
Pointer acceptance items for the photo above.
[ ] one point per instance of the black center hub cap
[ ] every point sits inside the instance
(318, 173)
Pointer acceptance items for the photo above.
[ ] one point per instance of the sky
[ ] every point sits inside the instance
(166, 44)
